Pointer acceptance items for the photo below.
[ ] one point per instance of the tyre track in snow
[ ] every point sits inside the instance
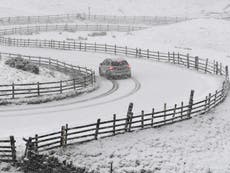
(45, 109)
(134, 90)
(115, 87)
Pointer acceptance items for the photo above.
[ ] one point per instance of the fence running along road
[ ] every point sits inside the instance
(7, 150)
(81, 79)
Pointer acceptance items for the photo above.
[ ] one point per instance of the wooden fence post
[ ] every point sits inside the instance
(95, 47)
(223, 91)
(130, 122)
(129, 114)
(114, 124)
(188, 62)
(190, 103)
(197, 62)
(49, 63)
(147, 53)
(182, 109)
(105, 47)
(115, 49)
(173, 58)
(62, 140)
(74, 84)
(221, 69)
(215, 98)
(168, 56)
(39, 61)
(152, 120)
(126, 52)
(66, 134)
(61, 86)
(97, 128)
(38, 88)
(29, 148)
(13, 91)
(136, 52)
(165, 106)
(205, 104)
(174, 112)
(217, 67)
(85, 82)
(36, 143)
(209, 100)
(206, 65)
(13, 148)
(226, 72)
(178, 58)
(142, 119)
(214, 67)
(158, 55)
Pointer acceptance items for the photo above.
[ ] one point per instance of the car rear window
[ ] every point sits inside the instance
(119, 63)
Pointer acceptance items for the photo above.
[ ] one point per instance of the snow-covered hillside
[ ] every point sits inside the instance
(195, 146)
(189, 8)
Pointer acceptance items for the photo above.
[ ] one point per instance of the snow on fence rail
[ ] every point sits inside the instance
(7, 150)
(148, 20)
(82, 78)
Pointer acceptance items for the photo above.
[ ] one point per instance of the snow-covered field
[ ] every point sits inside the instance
(198, 145)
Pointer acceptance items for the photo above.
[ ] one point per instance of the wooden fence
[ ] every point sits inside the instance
(7, 150)
(81, 78)
(72, 135)
(69, 135)
(192, 62)
(176, 58)
(148, 20)
(179, 112)
(69, 28)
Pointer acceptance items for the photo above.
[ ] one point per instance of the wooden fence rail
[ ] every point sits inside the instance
(69, 28)
(148, 20)
(8, 150)
(184, 60)
(82, 77)
(197, 63)
(72, 135)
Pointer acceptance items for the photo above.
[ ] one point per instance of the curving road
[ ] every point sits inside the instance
(64, 105)
(151, 86)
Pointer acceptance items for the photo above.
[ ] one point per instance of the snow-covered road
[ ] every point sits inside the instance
(152, 85)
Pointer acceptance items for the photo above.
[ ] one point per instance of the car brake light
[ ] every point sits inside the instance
(129, 66)
(111, 68)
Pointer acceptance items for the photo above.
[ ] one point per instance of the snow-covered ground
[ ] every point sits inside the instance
(13, 75)
(198, 145)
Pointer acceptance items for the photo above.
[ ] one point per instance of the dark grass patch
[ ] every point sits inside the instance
(22, 64)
